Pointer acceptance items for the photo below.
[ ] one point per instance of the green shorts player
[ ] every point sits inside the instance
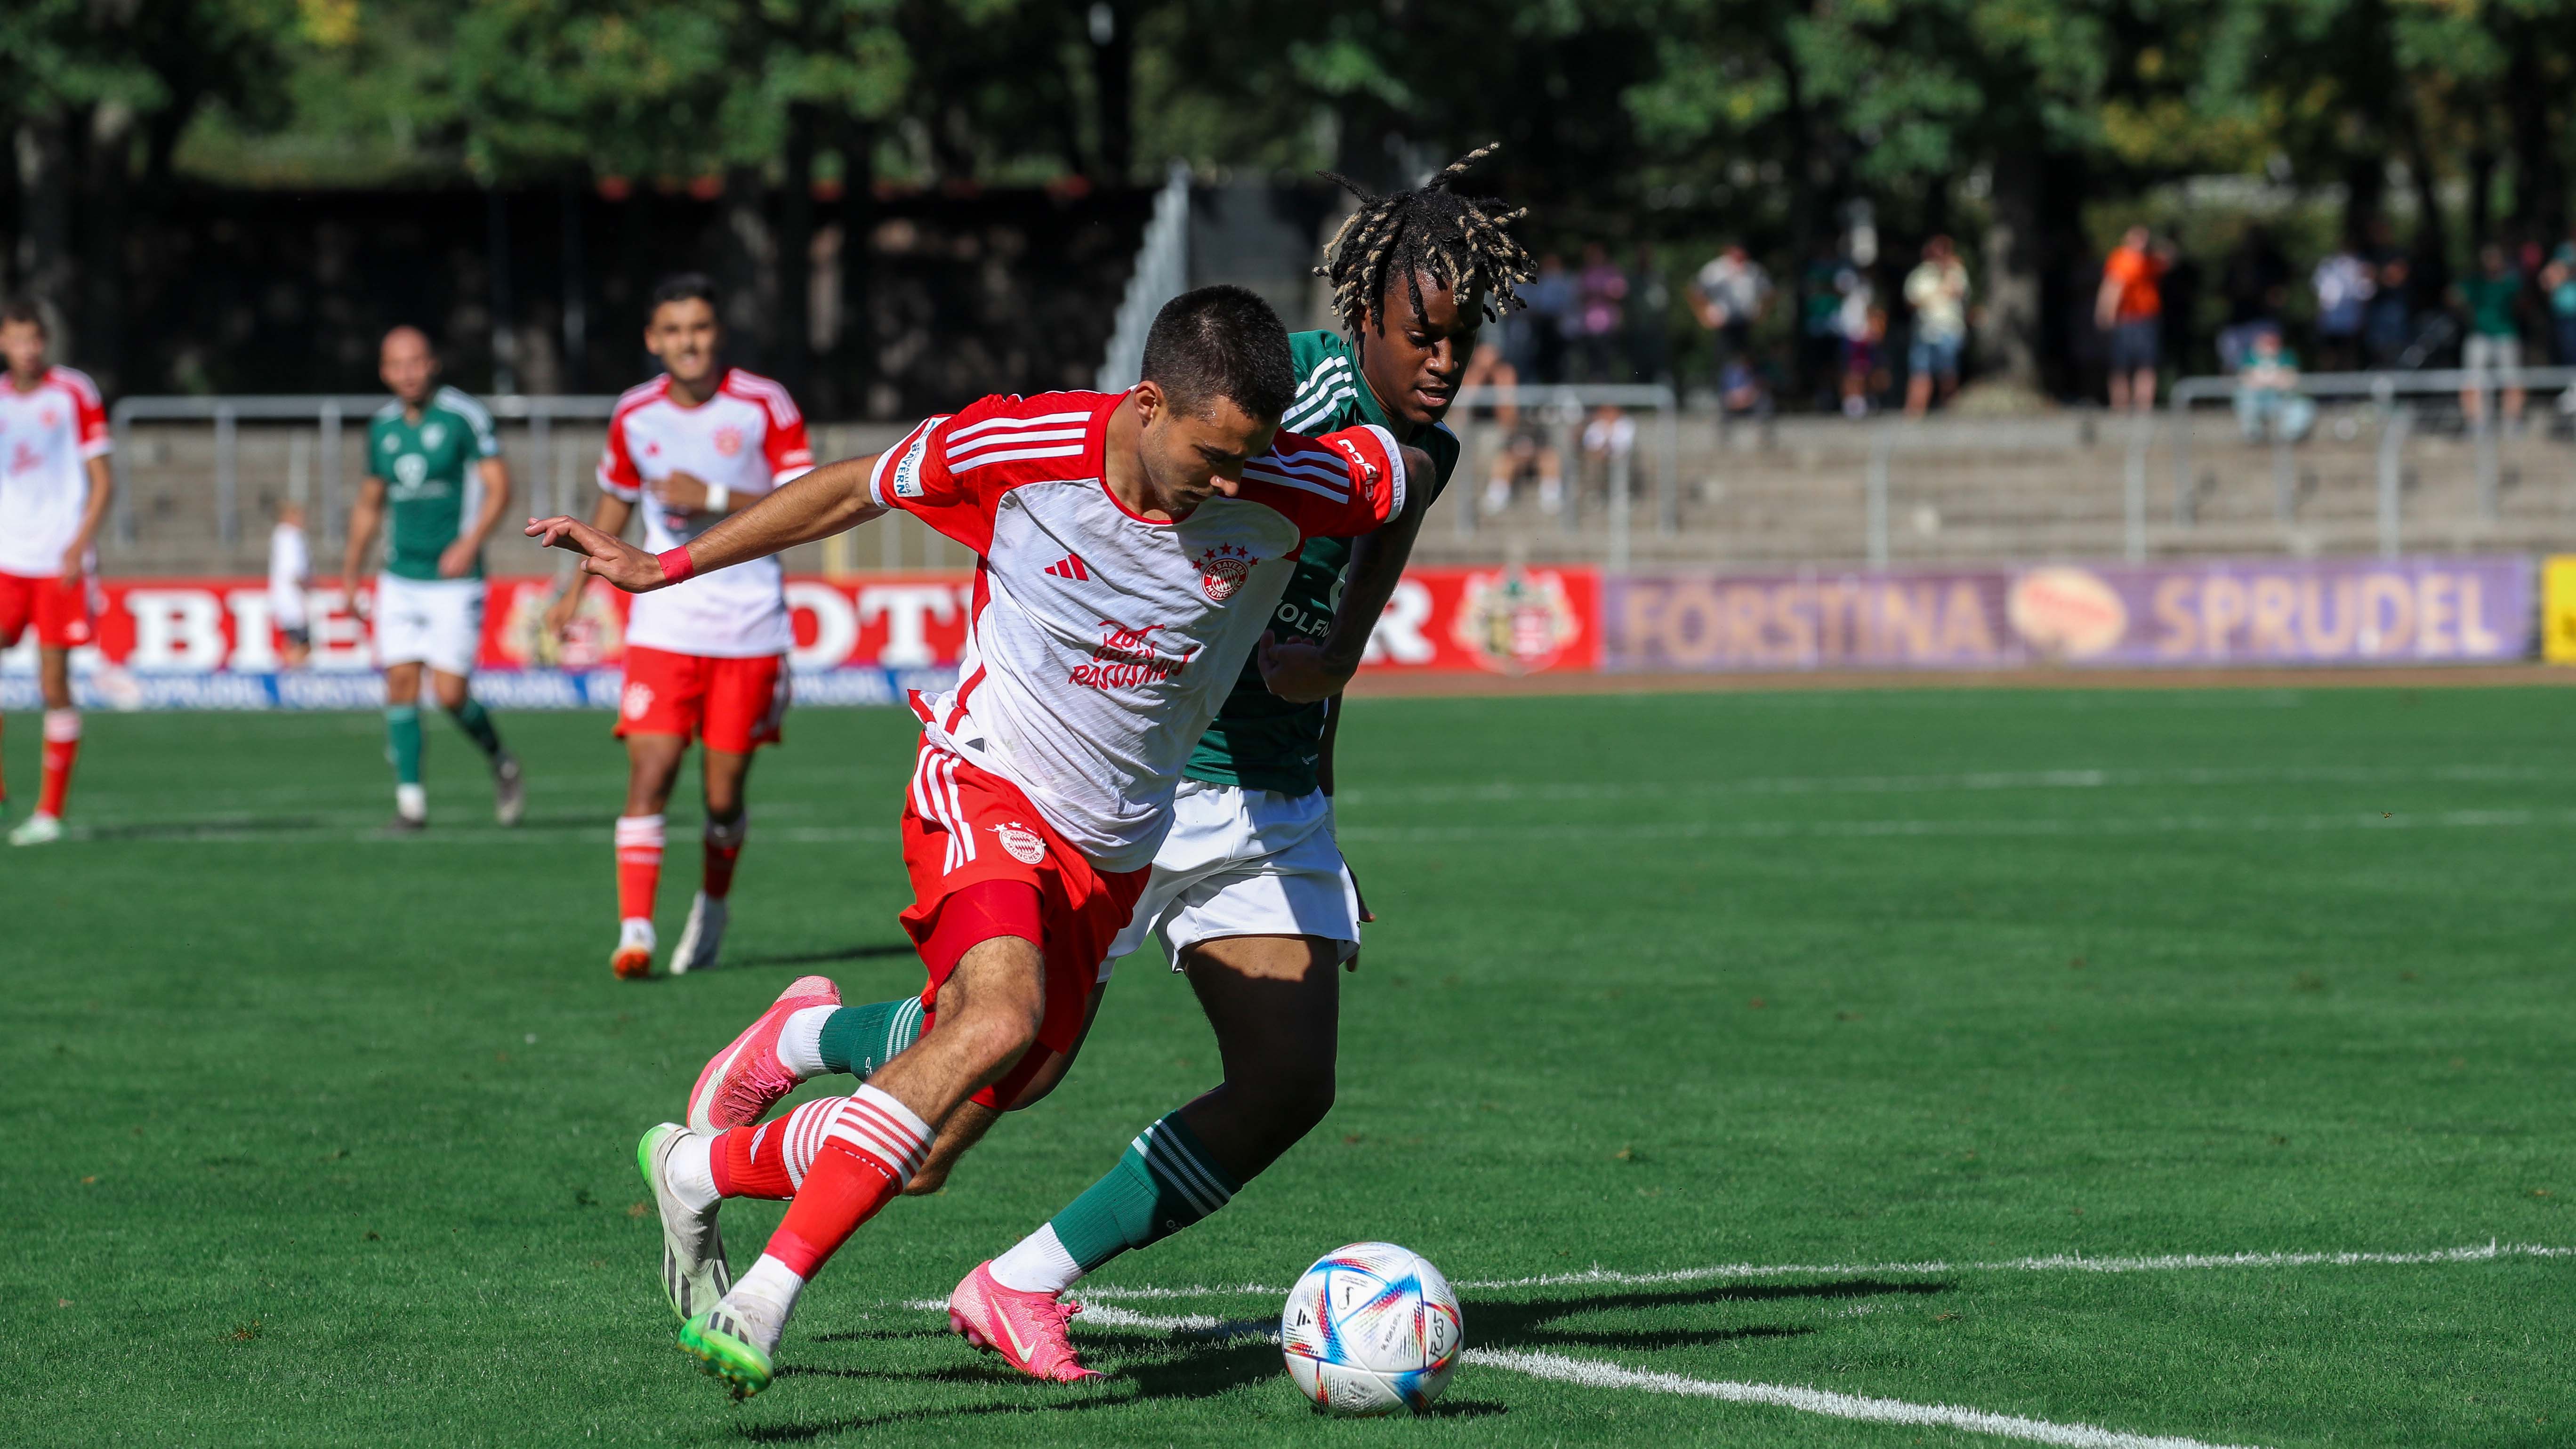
(1249, 893)
(436, 482)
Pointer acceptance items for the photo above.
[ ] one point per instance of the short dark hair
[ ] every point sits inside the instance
(1221, 342)
(683, 287)
(23, 308)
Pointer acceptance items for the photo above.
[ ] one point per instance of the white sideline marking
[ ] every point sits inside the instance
(2067, 779)
(1871, 829)
(1594, 1374)
(1821, 1401)
(231, 832)
(2051, 1263)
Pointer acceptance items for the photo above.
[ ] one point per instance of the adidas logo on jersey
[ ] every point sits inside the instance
(1070, 567)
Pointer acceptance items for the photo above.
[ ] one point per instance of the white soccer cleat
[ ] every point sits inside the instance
(37, 830)
(694, 1274)
(633, 958)
(702, 937)
(509, 790)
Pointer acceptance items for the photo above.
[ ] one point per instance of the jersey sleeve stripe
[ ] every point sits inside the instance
(1319, 371)
(1007, 440)
(1080, 416)
(1395, 479)
(1303, 415)
(1283, 480)
(1015, 455)
(1330, 471)
(78, 382)
(1336, 373)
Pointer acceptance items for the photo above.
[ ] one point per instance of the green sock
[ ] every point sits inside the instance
(1165, 1182)
(859, 1039)
(476, 721)
(402, 742)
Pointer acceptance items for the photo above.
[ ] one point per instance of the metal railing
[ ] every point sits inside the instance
(1562, 411)
(2396, 420)
(329, 414)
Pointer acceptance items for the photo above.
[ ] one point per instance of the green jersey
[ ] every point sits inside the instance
(433, 486)
(1258, 740)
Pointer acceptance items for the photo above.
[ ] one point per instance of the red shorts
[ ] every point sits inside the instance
(735, 705)
(59, 608)
(965, 828)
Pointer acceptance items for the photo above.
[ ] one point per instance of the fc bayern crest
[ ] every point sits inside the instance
(1223, 569)
(1025, 845)
(728, 441)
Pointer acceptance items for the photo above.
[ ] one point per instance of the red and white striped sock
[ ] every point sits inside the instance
(724, 847)
(873, 1147)
(771, 1160)
(62, 746)
(639, 865)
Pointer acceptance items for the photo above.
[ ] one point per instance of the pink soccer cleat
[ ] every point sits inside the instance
(746, 1079)
(1026, 1329)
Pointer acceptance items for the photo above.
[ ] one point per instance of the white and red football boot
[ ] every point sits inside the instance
(746, 1079)
(1026, 1329)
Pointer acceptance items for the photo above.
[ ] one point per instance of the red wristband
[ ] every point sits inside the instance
(675, 563)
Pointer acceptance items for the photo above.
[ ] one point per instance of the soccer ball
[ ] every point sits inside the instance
(1370, 1329)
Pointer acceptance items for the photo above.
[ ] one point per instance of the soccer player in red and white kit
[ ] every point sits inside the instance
(1130, 549)
(708, 658)
(54, 488)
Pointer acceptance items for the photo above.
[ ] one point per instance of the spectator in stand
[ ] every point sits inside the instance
(1742, 390)
(2268, 401)
(1937, 290)
(2389, 323)
(1549, 301)
(1864, 325)
(2257, 283)
(1821, 290)
(1648, 340)
(1730, 294)
(2558, 282)
(2494, 345)
(1601, 315)
(1526, 448)
(1609, 440)
(2130, 307)
(2344, 284)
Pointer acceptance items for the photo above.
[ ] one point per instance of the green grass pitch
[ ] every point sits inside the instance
(326, 1139)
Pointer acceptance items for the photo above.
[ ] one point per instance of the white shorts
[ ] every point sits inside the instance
(1245, 863)
(2483, 354)
(437, 622)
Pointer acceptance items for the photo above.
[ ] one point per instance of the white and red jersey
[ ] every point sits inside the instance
(47, 438)
(747, 439)
(1100, 642)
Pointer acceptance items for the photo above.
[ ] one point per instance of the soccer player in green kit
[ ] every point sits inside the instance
(436, 482)
(1249, 893)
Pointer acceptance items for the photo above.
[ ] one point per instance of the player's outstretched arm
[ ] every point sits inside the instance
(1303, 672)
(818, 505)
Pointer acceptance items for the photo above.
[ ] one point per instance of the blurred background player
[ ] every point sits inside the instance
(436, 481)
(54, 488)
(290, 571)
(707, 658)
(1249, 893)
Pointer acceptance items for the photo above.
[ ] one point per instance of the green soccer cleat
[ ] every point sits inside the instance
(716, 1340)
(694, 1275)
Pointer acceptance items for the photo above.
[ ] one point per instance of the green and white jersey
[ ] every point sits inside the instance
(1258, 740)
(433, 488)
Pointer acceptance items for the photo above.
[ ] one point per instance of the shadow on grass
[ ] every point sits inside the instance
(871, 951)
(202, 829)
(1208, 1363)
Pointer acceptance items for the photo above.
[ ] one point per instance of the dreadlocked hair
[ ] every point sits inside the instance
(1459, 240)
